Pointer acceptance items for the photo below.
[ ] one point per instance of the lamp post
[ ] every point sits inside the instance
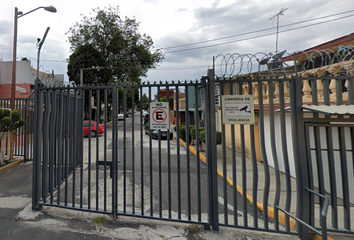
(18, 15)
(82, 73)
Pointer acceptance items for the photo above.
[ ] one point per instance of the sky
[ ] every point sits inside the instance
(189, 32)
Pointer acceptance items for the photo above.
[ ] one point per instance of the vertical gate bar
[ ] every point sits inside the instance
(82, 112)
(254, 165)
(159, 161)
(234, 163)
(211, 150)
(66, 144)
(244, 166)
(36, 173)
(125, 150)
(285, 152)
(314, 97)
(150, 160)
(224, 165)
(73, 143)
(98, 107)
(187, 150)
(141, 152)
(326, 96)
(26, 133)
(59, 140)
(105, 152)
(274, 152)
(114, 151)
(133, 151)
(52, 151)
(89, 150)
(178, 155)
(197, 119)
(332, 177)
(345, 179)
(264, 156)
(319, 163)
(311, 171)
(45, 146)
(169, 156)
(32, 129)
(298, 132)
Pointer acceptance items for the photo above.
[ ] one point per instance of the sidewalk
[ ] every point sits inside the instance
(18, 221)
(228, 161)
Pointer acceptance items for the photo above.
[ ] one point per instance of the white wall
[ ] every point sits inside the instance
(24, 75)
(289, 143)
(23, 72)
(279, 143)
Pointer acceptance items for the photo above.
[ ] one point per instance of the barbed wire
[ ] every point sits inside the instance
(268, 64)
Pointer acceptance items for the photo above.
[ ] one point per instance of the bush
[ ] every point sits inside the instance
(193, 134)
(182, 132)
(202, 136)
(218, 137)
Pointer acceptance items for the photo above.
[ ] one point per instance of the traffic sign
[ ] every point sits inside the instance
(160, 116)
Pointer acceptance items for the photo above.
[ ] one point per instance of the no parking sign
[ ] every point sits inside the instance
(159, 118)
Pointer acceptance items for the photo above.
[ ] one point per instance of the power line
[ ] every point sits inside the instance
(258, 31)
(250, 38)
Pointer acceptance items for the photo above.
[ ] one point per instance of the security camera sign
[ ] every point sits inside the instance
(237, 109)
(159, 115)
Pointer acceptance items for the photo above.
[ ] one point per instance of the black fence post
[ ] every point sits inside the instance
(211, 151)
(36, 189)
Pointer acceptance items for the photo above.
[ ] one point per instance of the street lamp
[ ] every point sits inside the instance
(18, 15)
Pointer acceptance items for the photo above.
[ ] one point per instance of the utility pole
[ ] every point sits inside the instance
(277, 16)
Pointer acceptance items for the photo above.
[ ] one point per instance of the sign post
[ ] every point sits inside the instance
(237, 109)
(160, 118)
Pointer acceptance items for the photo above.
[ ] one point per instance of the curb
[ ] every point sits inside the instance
(10, 165)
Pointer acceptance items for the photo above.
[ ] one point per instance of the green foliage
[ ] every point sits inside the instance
(20, 123)
(10, 120)
(145, 99)
(171, 104)
(202, 136)
(127, 53)
(15, 115)
(146, 106)
(218, 137)
(192, 133)
(86, 56)
(182, 132)
(7, 112)
(6, 121)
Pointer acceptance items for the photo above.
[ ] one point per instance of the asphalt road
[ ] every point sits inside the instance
(158, 178)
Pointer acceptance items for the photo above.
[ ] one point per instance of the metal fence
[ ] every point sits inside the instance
(23, 135)
(269, 176)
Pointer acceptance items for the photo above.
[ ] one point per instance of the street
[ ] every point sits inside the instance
(155, 178)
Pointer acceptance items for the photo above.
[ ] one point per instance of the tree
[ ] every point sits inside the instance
(9, 121)
(128, 54)
(86, 56)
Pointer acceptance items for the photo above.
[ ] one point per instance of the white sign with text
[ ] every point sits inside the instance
(237, 109)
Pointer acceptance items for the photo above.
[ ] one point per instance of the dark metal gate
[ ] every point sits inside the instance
(120, 169)
(261, 176)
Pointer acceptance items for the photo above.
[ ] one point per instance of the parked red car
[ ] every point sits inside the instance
(93, 128)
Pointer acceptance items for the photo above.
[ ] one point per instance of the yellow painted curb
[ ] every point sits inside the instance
(8, 166)
(281, 215)
(317, 237)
